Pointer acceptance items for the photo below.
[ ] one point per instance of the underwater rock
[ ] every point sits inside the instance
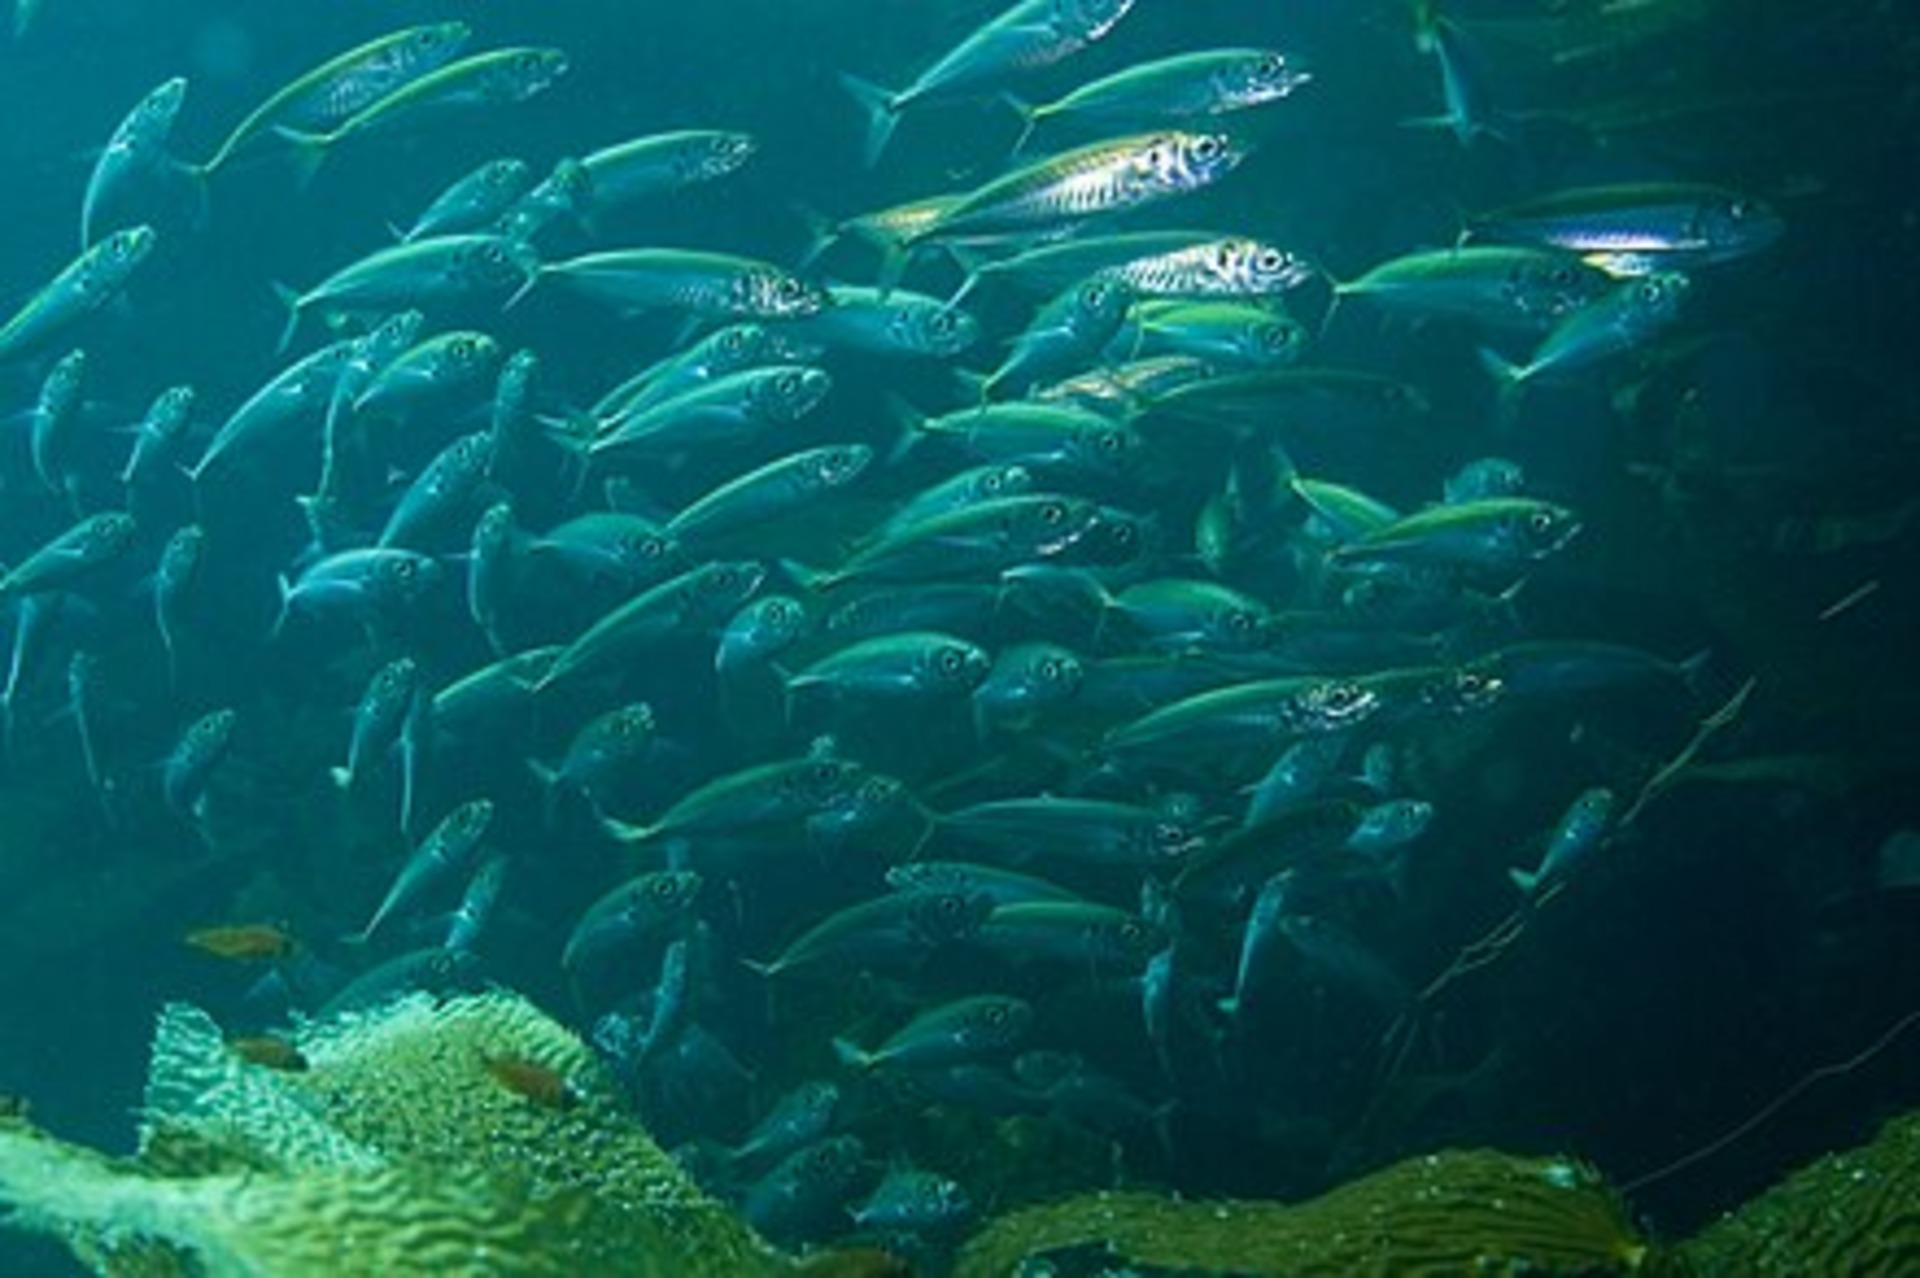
(423, 1138)
(1856, 1212)
(1443, 1214)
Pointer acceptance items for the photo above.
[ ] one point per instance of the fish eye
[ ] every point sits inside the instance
(1053, 512)
(405, 568)
(788, 287)
(951, 660)
(1739, 210)
(995, 1014)
(1271, 66)
(1093, 296)
(789, 384)
(1652, 291)
(1541, 521)
(1207, 148)
(942, 323)
(530, 62)
(1111, 441)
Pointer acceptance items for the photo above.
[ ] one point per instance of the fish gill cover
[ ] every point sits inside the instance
(989, 600)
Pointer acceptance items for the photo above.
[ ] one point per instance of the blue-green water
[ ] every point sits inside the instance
(1743, 481)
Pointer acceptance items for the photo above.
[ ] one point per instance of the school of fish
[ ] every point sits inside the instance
(922, 675)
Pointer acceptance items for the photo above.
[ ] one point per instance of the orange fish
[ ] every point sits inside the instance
(270, 1052)
(541, 1084)
(244, 942)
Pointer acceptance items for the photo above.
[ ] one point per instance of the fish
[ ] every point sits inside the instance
(730, 349)
(800, 1116)
(86, 284)
(1101, 178)
(1026, 682)
(371, 584)
(662, 162)
(900, 928)
(1640, 228)
(982, 539)
(629, 549)
(427, 370)
(473, 201)
(604, 749)
(244, 942)
(1623, 319)
(53, 419)
(966, 1029)
(136, 150)
(774, 795)
(1050, 828)
(805, 1187)
(496, 76)
(1581, 830)
(447, 850)
(344, 84)
(1523, 287)
(533, 1081)
(159, 436)
(1224, 334)
(891, 322)
(1200, 84)
(1028, 36)
(362, 361)
(1047, 439)
(762, 630)
(82, 551)
(430, 969)
(725, 410)
(1065, 334)
(914, 1201)
(1241, 716)
(299, 394)
(914, 665)
(269, 1051)
(439, 268)
(447, 488)
(177, 590)
(188, 769)
(1081, 935)
(631, 911)
(694, 602)
(379, 717)
(701, 285)
(1493, 535)
(477, 903)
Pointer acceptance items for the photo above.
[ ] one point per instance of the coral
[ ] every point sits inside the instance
(1455, 1213)
(405, 1148)
(1856, 1212)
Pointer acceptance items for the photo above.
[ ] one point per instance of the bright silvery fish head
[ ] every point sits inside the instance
(1258, 76)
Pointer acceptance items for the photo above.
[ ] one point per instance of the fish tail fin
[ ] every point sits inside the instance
(852, 1055)
(1693, 671)
(911, 424)
(533, 277)
(283, 586)
(822, 234)
(1508, 377)
(291, 300)
(309, 153)
(200, 178)
(971, 264)
(341, 777)
(549, 780)
(1526, 880)
(883, 114)
(1029, 118)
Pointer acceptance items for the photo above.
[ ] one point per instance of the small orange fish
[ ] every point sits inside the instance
(244, 942)
(541, 1084)
(270, 1052)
